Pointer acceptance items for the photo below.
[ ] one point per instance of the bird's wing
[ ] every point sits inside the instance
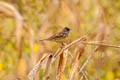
(56, 36)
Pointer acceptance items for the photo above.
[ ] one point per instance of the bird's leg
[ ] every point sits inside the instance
(62, 44)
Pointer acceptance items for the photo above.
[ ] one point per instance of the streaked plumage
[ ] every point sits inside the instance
(59, 36)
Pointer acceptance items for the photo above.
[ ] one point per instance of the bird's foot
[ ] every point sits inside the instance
(63, 44)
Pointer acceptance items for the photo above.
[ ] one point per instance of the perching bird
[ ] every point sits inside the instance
(59, 36)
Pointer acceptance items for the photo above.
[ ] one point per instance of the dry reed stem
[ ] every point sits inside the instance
(48, 66)
(75, 61)
(62, 63)
(10, 10)
(58, 52)
(61, 49)
(36, 68)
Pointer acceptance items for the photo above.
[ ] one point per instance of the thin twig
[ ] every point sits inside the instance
(101, 44)
(84, 74)
(88, 58)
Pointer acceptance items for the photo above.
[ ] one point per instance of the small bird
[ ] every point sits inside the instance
(59, 36)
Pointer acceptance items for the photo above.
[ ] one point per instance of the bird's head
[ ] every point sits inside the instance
(67, 29)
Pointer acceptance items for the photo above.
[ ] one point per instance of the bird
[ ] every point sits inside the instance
(58, 37)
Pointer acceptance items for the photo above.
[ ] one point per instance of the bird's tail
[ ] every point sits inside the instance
(42, 40)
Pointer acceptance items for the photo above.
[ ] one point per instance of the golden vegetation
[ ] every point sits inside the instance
(91, 52)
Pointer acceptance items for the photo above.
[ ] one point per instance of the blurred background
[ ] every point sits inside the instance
(28, 21)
